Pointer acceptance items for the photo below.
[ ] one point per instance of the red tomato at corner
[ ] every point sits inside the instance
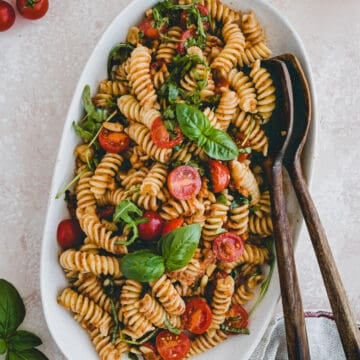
(219, 175)
(237, 311)
(112, 141)
(150, 32)
(152, 229)
(69, 233)
(7, 16)
(197, 317)
(32, 9)
(172, 225)
(184, 182)
(228, 246)
(171, 346)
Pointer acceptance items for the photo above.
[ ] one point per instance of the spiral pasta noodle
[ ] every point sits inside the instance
(130, 107)
(205, 342)
(154, 180)
(226, 109)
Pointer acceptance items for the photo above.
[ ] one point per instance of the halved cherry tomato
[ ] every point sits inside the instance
(69, 233)
(184, 182)
(112, 141)
(228, 246)
(106, 212)
(146, 26)
(32, 9)
(219, 175)
(203, 9)
(152, 229)
(161, 137)
(237, 311)
(171, 346)
(197, 316)
(172, 225)
(184, 37)
(7, 16)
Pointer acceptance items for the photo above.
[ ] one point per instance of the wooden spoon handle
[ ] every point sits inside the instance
(345, 320)
(297, 343)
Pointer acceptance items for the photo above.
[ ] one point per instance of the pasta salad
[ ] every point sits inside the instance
(168, 246)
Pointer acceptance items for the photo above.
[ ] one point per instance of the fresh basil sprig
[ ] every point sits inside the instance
(196, 126)
(127, 212)
(178, 246)
(142, 265)
(176, 249)
(19, 344)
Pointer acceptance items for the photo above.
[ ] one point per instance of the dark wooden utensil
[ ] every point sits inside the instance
(280, 131)
(345, 320)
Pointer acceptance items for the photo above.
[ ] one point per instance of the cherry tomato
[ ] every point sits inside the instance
(197, 317)
(184, 37)
(228, 246)
(106, 212)
(112, 141)
(69, 233)
(237, 311)
(171, 346)
(152, 229)
(172, 225)
(203, 9)
(161, 137)
(184, 182)
(219, 175)
(150, 32)
(7, 16)
(32, 9)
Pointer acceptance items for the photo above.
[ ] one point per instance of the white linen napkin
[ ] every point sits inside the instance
(323, 337)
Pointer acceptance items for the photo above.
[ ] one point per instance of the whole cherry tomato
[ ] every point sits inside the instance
(32, 9)
(171, 346)
(197, 316)
(161, 137)
(151, 230)
(219, 175)
(228, 246)
(7, 16)
(113, 141)
(184, 182)
(69, 233)
(172, 225)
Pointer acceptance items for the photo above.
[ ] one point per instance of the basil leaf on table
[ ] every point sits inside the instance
(31, 354)
(196, 126)
(142, 265)
(178, 246)
(23, 340)
(12, 309)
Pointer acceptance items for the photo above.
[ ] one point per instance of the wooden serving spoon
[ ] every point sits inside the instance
(344, 318)
(280, 130)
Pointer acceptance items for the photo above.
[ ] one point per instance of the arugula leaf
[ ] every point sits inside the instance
(31, 354)
(12, 309)
(171, 328)
(178, 246)
(117, 55)
(142, 265)
(125, 212)
(196, 126)
(3, 346)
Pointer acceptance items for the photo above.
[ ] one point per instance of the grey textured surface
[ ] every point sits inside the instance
(41, 62)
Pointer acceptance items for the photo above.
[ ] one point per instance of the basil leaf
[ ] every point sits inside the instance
(142, 265)
(31, 354)
(12, 309)
(220, 146)
(178, 246)
(196, 126)
(23, 340)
